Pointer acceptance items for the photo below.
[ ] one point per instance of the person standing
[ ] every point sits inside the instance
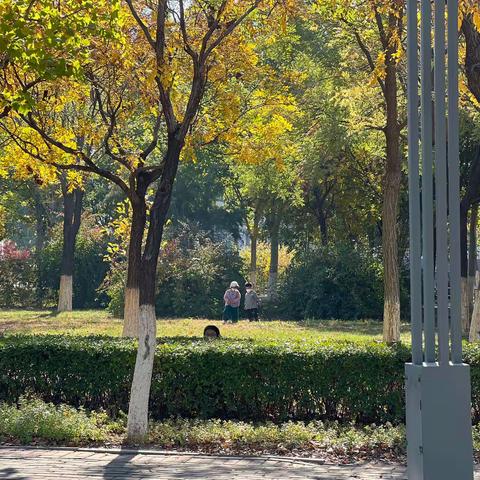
(252, 302)
(232, 299)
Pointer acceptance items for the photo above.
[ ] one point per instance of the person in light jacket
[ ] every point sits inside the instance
(252, 303)
(232, 299)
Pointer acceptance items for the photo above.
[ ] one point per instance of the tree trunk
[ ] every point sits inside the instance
(72, 213)
(472, 255)
(41, 229)
(320, 209)
(472, 55)
(253, 259)
(391, 191)
(323, 230)
(464, 206)
(142, 375)
(137, 426)
(131, 312)
(274, 248)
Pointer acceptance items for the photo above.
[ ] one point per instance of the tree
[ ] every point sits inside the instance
(20, 163)
(263, 178)
(375, 28)
(470, 24)
(72, 214)
(146, 94)
(30, 211)
(263, 192)
(44, 41)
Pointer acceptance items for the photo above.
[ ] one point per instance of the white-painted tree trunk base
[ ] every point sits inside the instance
(475, 323)
(465, 306)
(391, 322)
(137, 426)
(65, 294)
(131, 313)
(252, 277)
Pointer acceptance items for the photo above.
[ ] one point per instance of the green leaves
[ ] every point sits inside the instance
(46, 40)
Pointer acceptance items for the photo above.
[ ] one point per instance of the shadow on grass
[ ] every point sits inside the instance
(49, 314)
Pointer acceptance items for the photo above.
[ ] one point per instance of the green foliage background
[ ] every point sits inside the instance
(89, 268)
(333, 282)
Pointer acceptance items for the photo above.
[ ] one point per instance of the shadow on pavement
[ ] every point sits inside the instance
(11, 474)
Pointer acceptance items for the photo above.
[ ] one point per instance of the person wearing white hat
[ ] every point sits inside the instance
(232, 299)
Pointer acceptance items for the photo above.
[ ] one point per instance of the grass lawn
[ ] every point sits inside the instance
(98, 322)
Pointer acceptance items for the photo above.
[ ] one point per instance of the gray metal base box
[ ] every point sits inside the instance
(439, 428)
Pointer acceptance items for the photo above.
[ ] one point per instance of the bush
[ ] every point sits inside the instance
(333, 282)
(299, 437)
(224, 379)
(193, 273)
(34, 419)
(89, 267)
(241, 379)
(17, 276)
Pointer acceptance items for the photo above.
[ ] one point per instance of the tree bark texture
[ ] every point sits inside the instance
(321, 209)
(72, 213)
(472, 254)
(475, 323)
(391, 192)
(274, 227)
(131, 313)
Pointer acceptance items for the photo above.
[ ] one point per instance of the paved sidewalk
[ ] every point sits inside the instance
(27, 464)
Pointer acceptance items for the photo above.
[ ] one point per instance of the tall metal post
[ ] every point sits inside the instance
(439, 431)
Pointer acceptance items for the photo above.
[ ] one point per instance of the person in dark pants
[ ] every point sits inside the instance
(252, 302)
(232, 299)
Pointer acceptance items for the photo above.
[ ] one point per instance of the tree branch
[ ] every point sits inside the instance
(368, 56)
(141, 24)
(30, 121)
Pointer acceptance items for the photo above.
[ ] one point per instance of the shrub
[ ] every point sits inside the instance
(333, 282)
(43, 422)
(233, 436)
(227, 379)
(223, 379)
(17, 276)
(193, 273)
(34, 419)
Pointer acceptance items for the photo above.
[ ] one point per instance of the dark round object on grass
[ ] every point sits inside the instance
(211, 332)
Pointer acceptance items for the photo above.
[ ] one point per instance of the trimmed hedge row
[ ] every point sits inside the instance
(222, 379)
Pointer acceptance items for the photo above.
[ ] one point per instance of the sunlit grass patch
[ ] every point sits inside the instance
(98, 322)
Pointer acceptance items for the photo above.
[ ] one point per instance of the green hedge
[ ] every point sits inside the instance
(223, 379)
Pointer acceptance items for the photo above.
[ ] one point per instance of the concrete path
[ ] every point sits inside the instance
(45, 464)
